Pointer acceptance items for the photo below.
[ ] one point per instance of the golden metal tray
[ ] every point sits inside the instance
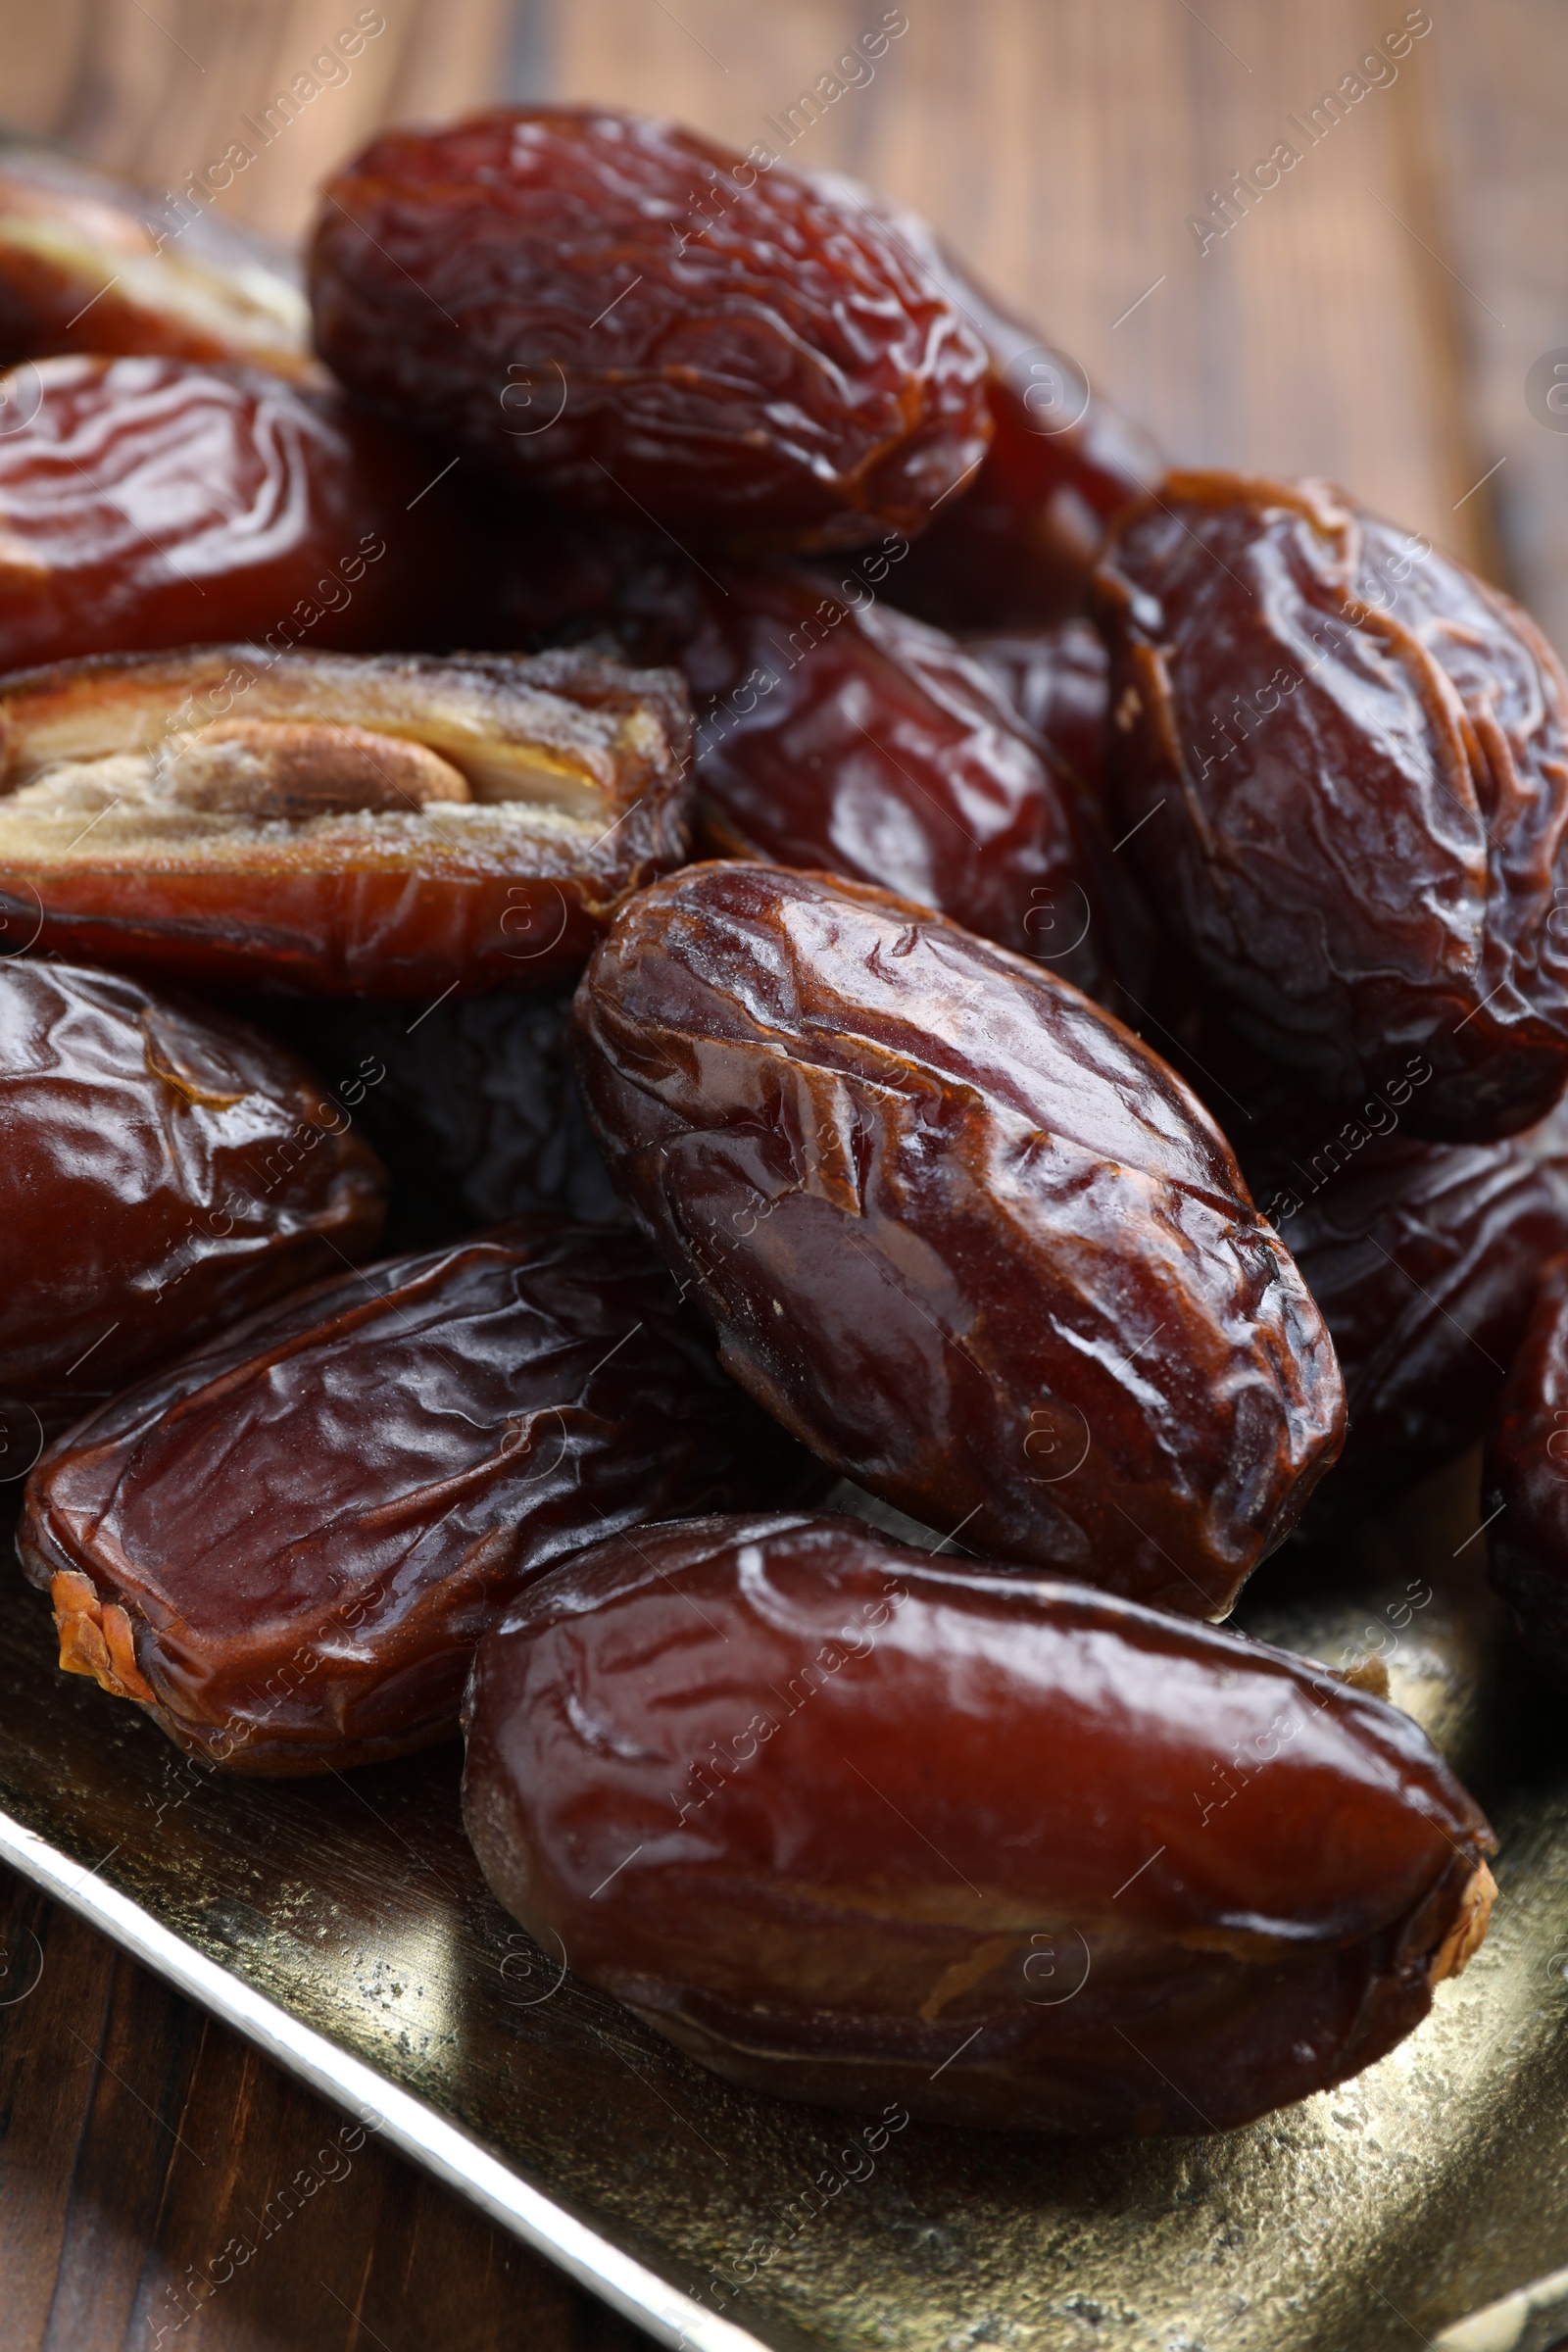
(343, 1924)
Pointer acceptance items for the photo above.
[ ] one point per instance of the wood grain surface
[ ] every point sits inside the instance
(1374, 316)
(142, 2145)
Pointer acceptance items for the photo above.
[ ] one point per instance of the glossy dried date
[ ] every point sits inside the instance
(835, 732)
(399, 826)
(1524, 1481)
(1057, 677)
(852, 1825)
(1347, 763)
(162, 1172)
(959, 1230)
(88, 264)
(1423, 1258)
(287, 1546)
(155, 502)
(636, 321)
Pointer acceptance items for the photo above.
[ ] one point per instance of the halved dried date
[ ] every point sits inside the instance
(157, 501)
(636, 321)
(287, 1546)
(960, 1231)
(835, 732)
(854, 1826)
(1423, 1258)
(162, 1172)
(88, 264)
(1524, 1483)
(332, 824)
(1341, 763)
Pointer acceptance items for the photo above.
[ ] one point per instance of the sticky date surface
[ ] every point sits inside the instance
(1055, 677)
(163, 1173)
(157, 501)
(850, 1826)
(836, 732)
(638, 321)
(286, 1548)
(959, 1230)
(1347, 759)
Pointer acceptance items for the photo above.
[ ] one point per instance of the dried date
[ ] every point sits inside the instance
(286, 1547)
(1524, 1482)
(1423, 1258)
(1017, 546)
(1341, 762)
(401, 826)
(631, 318)
(84, 265)
(1057, 677)
(959, 1230)
(835, 732)
(852, 1825)
(162, 1172)
(157, 501)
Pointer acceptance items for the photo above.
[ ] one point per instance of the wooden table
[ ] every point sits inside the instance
(1374, 315)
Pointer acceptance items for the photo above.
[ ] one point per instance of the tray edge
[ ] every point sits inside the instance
(418, 2130)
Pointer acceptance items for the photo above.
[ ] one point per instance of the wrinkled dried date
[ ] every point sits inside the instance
(835, 732)
(287, 1546)
(1423, 1258)
(852, 1825)
(337, 824)
(1524, 1483)
(153, 502)
(162, 1172)
(960, 1231)
(1342, 762)
(639, 322)
(83, 268)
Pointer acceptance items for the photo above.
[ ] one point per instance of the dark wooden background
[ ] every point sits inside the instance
(1375, 318)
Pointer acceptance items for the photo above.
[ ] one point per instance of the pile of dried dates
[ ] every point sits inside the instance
(647, 866)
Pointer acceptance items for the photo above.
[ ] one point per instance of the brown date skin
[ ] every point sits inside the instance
(163, 1171)
(475, 1110)
(89, 263)
(1346, 761)
(834, 731)
(837, 733)
(159, 502)
(852, 1825)
(1057, 677)
(959, 1230)
(1523, 1479)
(288, 1545)
(1424, 1259)
(1017, 547)
(620, 313)
(401, 901)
